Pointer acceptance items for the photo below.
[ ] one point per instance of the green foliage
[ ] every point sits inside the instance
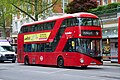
(80, 6)
(106, 9)
(5, 15)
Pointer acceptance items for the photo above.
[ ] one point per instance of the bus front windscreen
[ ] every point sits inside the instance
(89, 47)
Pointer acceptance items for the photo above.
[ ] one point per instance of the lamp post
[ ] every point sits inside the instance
(63, 5)
(119, 40)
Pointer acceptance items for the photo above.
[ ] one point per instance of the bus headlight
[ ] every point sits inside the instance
(81, 60)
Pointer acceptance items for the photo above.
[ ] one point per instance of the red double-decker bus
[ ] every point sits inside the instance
(70, 40)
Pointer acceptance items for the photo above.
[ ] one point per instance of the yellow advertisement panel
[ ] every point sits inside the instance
(36, 37)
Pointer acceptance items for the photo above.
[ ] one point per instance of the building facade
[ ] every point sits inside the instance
(110, 32)
(104, 2)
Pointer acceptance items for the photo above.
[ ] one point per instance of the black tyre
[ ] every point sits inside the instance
(26, 61)
(60, 62)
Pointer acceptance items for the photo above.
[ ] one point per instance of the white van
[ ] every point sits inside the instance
(6, 52)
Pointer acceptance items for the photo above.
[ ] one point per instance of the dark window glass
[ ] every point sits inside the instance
(48, 47)
(89, 22)
(41, 26)
(38, 27)
(29, 28)
(34, 47)
(70, 22)
(39, 48)
(21, 30)
(25, 29)
(33, 28)
(70, 46)
(27, 48)
(89, 47)
(45, 26)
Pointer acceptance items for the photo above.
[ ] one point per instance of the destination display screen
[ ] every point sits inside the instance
(90, 33)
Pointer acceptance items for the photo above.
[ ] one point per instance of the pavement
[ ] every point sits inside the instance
(108, 63)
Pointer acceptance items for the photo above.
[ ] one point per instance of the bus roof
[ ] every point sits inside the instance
(81, 14)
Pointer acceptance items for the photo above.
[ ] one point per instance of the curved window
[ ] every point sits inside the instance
(89, 22)
(89, 47)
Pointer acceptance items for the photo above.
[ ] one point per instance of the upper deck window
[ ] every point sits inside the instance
(80, 22)
(70, 22)
(38, 27)
(89, 22)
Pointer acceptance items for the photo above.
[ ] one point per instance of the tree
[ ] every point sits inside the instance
(108, 9)
(5, 16)
(30, 8)
(81, 6)
(36, 6)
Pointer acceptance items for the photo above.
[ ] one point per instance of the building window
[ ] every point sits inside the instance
(105, 2)
(98, 1)
(113, 1)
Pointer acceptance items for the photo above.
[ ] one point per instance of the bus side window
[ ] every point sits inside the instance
(52, 24)
(42, 47)
(39, 27)
(25, 29)
(48, 47)
(29, 28)
(70, 46)
(21, 30)
(68, 22)
(36, 27)
(49, 25)
(42, 27)
(75, 22)
(27, 47)
(33, 28)
(38, 48)
(34, 47)
(63, 24)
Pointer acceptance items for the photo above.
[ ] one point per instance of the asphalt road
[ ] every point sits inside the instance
(16, 71)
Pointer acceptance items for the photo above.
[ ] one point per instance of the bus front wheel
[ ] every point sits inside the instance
(60, 62)
(26, 61)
